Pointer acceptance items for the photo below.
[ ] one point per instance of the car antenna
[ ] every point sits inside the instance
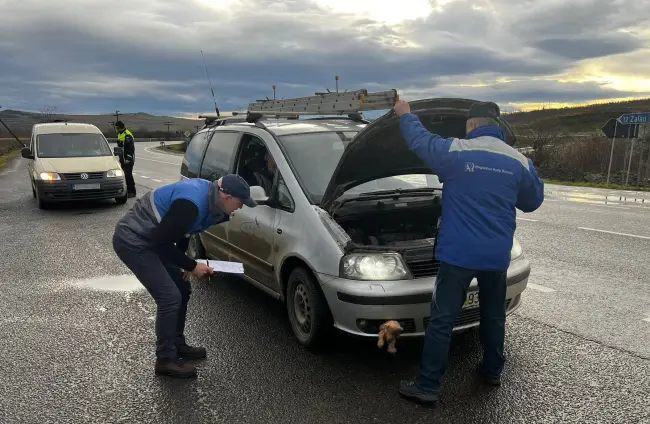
(210, 83)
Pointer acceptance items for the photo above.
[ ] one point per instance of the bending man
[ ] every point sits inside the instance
(151, 239)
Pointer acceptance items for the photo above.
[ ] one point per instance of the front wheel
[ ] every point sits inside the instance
(195, 248)
(307, 308)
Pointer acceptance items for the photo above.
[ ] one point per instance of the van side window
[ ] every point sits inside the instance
(285, 201)
(192, 160)
(219, 154)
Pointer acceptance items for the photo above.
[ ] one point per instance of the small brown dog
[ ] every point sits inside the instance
(388, 333)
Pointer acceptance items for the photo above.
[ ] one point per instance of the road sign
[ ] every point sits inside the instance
(634, 118)
(186, 133)
(613, 129)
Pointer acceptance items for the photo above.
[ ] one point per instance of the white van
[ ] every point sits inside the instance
(73, 162)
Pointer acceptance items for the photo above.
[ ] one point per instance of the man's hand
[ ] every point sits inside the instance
(202, 270)
(401, 108)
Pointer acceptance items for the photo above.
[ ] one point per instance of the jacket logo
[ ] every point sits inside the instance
(84, 176)
(469, 167)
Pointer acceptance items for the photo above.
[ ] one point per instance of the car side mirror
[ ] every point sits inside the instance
(259, 195)
(117, 151)
(26, 153)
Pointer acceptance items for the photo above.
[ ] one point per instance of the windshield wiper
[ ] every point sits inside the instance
(400, 191)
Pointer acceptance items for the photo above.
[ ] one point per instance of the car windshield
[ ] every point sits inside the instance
(314, 157)
(68, 145)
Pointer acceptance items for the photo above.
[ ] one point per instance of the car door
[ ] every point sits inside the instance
(218, 161)
(251, 234)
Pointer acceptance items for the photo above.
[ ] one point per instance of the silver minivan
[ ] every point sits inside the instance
(345, 233)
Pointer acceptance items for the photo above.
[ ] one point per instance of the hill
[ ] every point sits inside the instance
(582, 119)
(141, 124)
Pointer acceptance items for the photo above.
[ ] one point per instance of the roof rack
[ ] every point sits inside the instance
(349, 102)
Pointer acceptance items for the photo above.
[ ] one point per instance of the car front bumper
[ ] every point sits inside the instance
(359, 307)
(75, 190)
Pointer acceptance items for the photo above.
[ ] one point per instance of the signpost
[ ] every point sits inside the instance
(632, 121)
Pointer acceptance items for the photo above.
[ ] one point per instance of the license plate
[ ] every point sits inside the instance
(86, 187)
(471, 301)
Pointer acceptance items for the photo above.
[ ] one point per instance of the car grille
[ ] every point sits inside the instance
(422, 269)
(77, 175)
(466, 316)
(372, 325)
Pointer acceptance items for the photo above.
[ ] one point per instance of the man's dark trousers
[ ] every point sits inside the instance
(448, 297)
(166, 285)
(128, 175)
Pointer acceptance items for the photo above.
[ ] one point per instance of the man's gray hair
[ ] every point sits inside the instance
(483, 122)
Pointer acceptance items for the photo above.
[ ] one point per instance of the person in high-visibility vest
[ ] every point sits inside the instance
(127, 158)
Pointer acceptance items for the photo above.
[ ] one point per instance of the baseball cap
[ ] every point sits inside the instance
(484, 110)
(236, 186)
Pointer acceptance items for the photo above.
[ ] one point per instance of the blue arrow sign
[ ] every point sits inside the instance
(634, 118)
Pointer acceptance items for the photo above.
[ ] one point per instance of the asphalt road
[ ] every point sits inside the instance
(77, 329)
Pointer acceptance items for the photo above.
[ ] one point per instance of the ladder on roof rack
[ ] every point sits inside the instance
(349, 102)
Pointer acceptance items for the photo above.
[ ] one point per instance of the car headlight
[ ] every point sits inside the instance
(373, 266)
(516, 250)
(114, 173)
(49, 176)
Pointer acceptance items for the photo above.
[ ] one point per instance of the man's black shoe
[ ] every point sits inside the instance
(175, 368)
(190, 352)
(488, 379)
(409, 390)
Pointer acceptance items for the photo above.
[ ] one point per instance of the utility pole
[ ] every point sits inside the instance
(273, 91)
(337, 83)
(117, 115)
(168, 123)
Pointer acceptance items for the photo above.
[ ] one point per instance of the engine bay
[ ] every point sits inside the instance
(395, 224)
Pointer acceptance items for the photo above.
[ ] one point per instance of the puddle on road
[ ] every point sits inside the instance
(121, 283)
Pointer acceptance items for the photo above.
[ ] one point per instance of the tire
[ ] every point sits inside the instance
(307, 308)
(121, 200)
(40, 202)
(195, 249)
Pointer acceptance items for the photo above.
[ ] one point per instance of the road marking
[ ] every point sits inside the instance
(158, 181)
(614, 232)
(527, 219)
(143, 176)
(161, 161)
(540, 288)
(646, 319)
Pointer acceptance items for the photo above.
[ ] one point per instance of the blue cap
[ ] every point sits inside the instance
(236, 186)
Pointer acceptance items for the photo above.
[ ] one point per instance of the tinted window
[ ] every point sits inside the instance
(72, 145)
(219, 155)
(194, 154)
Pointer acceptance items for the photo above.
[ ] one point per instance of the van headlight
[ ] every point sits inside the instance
(516, 250)
(49, 176)
(374, 266)
(114, 173)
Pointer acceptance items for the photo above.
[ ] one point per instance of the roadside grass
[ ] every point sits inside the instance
(6, 157)
(176, 148)
(595, 185)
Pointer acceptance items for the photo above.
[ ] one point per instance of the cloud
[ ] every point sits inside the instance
(92, 56)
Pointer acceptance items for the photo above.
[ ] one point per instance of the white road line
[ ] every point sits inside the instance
(143, 176)
(526, 219)
(540, 288)
(161, 161)
(646, 319)
(158, 181)
(614, 232)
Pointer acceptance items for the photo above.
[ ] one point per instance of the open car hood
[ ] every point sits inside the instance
(379, 150)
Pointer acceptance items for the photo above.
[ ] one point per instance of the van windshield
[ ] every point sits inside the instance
(72, 145)
(314, 157)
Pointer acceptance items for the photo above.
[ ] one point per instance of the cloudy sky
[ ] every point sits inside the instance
(95, 56)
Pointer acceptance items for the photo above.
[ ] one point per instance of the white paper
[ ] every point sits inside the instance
(224, 266)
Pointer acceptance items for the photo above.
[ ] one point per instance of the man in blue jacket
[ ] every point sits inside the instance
(151, 239)
(485, 180)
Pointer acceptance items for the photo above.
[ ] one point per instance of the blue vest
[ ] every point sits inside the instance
(195, 190)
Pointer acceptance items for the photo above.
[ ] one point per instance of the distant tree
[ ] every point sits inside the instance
(49, 114)
(543, 137)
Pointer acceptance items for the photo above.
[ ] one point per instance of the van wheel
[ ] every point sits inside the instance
(195, 249)
(40, 202)
(121, 200)
(308, 312)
